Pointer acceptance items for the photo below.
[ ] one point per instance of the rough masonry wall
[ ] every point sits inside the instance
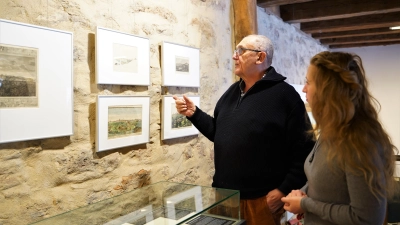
(42, 178)
(293, 48)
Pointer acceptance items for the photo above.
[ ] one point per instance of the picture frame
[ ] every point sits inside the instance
(36, 92)
(194, 193)
(145, 212)
(122, 58)
(180, 65)
(170, 116)
(121, 121)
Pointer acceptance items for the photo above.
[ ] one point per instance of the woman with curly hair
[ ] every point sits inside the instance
(350, 171)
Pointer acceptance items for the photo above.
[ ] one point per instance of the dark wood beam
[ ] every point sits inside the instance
(338, 9)
(344, 23)
(364, 44)
(363, 39)
(354, 33)
(271, 3)
(245, 17)
(354, 23)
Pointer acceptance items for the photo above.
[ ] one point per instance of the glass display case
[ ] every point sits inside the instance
(162, 203)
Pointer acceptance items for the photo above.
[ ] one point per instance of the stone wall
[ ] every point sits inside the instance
(42, 178)
(293, 48)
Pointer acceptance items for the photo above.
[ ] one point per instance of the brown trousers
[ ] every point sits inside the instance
(257, 212)
(254, 211)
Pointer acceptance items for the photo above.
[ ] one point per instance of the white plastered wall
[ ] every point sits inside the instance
(382, 67)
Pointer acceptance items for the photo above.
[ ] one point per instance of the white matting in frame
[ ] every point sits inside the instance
(122, 121)
(122, 58)
(175, 125)
(180, 65)
(36, 80)
(194, 192)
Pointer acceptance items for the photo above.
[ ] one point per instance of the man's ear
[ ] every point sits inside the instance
(261, 57)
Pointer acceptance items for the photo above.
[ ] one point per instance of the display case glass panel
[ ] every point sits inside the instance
(162, 203)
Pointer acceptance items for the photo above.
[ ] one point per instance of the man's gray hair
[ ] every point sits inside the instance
(263, 43)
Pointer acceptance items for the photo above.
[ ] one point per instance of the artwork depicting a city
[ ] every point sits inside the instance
(18, 77)
(182, 65)
(177, 120)
(124, 121)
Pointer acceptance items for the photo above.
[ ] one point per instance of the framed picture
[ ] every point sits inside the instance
(145, 213)
(36, 82)
(122, 121)
(121, 58)
(192, 193)
(174, 124)
(180, 65)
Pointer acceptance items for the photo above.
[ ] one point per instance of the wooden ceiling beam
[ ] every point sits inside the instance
(364, 44)
(271, 3)
(354, 23)
(338, 9)
(354, 33)
(363, 39)
(245, 18)
(345, 23)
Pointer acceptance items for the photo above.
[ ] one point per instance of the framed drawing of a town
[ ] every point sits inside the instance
(173, 124)
(180, 65)
(122, 121)
(36, 73)
(122, 58)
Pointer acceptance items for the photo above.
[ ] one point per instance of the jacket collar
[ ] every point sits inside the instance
(272, 75)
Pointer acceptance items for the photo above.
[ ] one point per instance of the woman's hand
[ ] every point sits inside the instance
(292, 204)
(295, 193)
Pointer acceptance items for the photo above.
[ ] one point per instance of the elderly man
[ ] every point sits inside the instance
(259, 130)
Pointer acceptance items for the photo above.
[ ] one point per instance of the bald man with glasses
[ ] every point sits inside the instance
(259, 129)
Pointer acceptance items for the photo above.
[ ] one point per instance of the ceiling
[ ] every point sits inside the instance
(342, 23)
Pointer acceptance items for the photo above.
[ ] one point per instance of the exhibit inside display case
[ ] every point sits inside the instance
(162, 203)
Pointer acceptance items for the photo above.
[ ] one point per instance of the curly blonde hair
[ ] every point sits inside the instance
(346, 118)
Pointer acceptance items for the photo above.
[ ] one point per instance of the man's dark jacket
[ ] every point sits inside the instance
(260, 139)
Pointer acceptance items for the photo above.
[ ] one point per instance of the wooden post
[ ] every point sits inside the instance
(245, 18)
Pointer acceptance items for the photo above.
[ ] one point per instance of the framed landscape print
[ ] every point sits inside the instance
(180, 65)
(121, 58)
(122, 121)
(36, 87)
(175, 125)
(18, 76)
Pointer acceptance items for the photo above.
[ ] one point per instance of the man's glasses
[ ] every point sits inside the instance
(241, 50)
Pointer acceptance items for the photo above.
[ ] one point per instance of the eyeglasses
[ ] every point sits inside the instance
(241, 50)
